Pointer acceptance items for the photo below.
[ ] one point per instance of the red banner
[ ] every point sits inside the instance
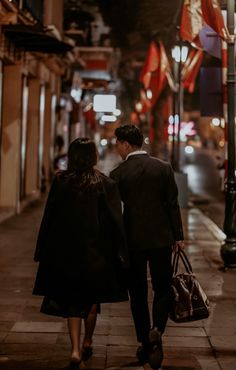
(150, 66)
(212, 15)
(156, 71)
(196, 13)
(191, 21)
(191, 69)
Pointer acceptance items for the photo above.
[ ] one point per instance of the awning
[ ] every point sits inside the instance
(30, 38)
(95, 79)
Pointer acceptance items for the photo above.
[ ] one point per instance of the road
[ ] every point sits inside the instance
(204, 183)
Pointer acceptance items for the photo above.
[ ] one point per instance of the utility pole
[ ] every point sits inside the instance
(174, 163)
(228, 249)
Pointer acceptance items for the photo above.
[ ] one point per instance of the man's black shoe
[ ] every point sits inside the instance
(155, 357)
(142, 355)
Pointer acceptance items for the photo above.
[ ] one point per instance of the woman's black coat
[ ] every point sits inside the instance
(81, 246)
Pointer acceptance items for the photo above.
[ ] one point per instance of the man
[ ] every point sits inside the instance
(153, 227)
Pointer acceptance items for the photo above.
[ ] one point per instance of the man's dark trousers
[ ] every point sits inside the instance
(159, 261)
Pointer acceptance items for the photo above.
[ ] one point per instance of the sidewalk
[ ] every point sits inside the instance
(32, 341)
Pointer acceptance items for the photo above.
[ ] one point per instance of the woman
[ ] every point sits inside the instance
(81, 247)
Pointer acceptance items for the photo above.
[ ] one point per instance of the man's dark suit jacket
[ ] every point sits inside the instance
(151, 210)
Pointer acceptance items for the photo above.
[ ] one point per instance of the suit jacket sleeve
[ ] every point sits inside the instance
(173, 206)
(46, 220)
(113, 203)
(114, 175)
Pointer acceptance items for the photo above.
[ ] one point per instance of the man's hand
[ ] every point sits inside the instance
(179, 244)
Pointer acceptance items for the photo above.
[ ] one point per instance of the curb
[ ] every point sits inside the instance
(212, 227)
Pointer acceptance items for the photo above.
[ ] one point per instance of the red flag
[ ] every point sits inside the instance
(195, 13)
(212, 15)
(191, 69)
(158, 80)
(156, 70)
(151, 65)
(165, 67)
(191, 21)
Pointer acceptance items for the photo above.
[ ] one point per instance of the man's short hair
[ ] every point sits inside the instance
(131, 134)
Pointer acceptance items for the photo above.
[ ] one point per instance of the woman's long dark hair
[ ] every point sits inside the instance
(82, 157)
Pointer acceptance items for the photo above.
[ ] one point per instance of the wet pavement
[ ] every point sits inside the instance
(204, 183)
(33, 341)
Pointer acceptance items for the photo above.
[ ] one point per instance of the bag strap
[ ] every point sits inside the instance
(181, 254)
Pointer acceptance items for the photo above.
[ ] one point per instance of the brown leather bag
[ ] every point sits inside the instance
(188, 300)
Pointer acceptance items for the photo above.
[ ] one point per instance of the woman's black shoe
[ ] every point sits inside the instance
(142, 355)
(75, 365)
(86, 353)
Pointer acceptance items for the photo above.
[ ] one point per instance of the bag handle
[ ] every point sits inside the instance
(181, 254)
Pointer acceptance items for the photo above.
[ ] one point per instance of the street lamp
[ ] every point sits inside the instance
(228, 249)
(179, 55)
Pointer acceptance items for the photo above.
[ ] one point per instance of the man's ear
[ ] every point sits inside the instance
(127, 145)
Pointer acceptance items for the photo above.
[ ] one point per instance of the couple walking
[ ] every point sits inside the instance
(89, 253)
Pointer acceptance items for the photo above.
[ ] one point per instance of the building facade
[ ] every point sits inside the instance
(31, 66)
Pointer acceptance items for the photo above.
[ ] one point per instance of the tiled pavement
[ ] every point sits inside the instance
(33, 341)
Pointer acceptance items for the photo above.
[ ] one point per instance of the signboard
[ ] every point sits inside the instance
(104, 103)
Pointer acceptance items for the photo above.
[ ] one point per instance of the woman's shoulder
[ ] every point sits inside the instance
(108, 184)
(59, 176)
(59, 179)
(107, 181)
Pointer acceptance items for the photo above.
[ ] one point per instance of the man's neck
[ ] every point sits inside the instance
(135, 152)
